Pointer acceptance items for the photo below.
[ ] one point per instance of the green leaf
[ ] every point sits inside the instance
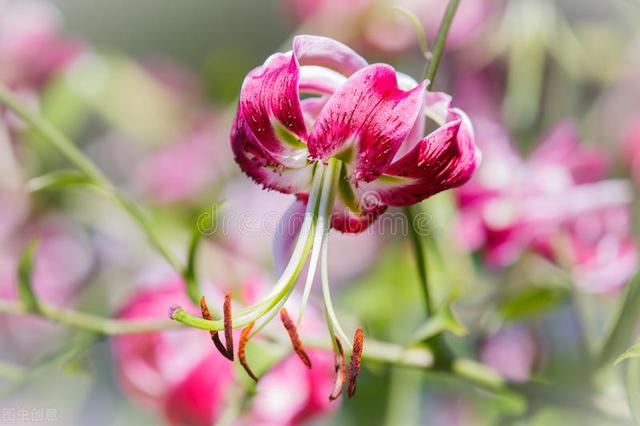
(478, 373)
(444, 320)
(632, 385)
(531, 302)
(417, 27)
(632, 352)
(25, 272)
(190, 269)
(60, 179)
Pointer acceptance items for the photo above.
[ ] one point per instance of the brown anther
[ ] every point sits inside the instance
(340, 372)
(228, 325)
(244, 338)
(354, 367)
(214, 334)
(294, 337)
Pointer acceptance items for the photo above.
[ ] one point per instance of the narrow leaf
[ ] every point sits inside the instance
(531, 302)
(632, 352)
(632, 385)
(25, 272)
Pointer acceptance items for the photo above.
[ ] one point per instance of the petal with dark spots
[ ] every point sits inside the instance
(369, 116)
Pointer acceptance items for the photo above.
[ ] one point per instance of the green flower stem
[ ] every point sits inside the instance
(60, 142)
(375, 351)
(53, 136)
(441, 39)
(421, 258)
(89, 322)
(622, 331)
(438, 344)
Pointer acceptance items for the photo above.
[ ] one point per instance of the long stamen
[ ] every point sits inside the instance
(330, 314)
(354, 367)
(294, 337)
(324, 212)
(286, 281)
(214, 334)
(339, 370)
(244, 338)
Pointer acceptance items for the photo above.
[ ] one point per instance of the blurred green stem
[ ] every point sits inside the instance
(89, 322)
(441, 40)
(438, 344)
(622, 331)
(60, 142)
(421, 259)
(376, 351)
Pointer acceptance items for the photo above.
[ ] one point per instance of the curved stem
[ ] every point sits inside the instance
(94, 323)
(287, 280)
(622, 330)
(53, 136)
(67, 148)
(374, 351)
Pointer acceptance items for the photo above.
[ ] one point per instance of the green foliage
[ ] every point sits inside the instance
(531, 302)
(25, 273)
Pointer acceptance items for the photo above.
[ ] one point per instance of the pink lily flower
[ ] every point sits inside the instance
(177, 372)
(350, 150)
(32, 49)
(368, 118)
(555, 202)
(182, 169)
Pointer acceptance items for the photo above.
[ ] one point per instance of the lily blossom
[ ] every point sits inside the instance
(349, 150)
(556, 203)
(368, 119)
(32, 48)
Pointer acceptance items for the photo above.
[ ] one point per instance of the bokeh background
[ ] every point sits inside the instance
(536, 254)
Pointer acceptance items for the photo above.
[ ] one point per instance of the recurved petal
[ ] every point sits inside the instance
(365, 121)
(261, 166)
(444, 159)
(270, 104)
(328, 53)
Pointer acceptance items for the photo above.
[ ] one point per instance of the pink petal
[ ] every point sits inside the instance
(200, 398)
(320, 80)
(370, 115)
(445, 159)
(263, 168)
(562, 147)
(326, 52)
(270, 104)
(511, 351)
